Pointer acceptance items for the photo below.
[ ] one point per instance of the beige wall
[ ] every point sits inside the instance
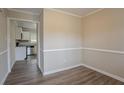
(3, 47)
(102, 30)
(105, 30)
(61, 31)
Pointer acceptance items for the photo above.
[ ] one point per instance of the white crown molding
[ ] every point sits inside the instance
(21, 11)
(57, 10)
(60, 11)
(72, 14)
(93, 12)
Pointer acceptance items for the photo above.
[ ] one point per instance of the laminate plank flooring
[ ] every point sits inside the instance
(24, 73)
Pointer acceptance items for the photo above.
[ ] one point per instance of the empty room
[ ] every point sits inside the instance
(61, 46)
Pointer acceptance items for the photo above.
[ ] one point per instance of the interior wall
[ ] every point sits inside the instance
(3, 47)
(41, 42)
(62, 40)
(13, 28)
(104, 34)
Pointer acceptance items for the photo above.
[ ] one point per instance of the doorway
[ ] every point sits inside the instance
(23, 42)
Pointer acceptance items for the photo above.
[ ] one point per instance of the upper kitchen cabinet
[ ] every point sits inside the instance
(18, 33)
(26, 32)
(25, 35)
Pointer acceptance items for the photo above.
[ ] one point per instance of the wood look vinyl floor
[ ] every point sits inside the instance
(24, 73)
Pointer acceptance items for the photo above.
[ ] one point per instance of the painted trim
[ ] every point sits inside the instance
(8, 43)
(104, 72)
(58, 70)
(105, 50)
(5, 51)
(22, 11)
(2, 82)
(39, 47)
(56, 10)
(85, 48)
(93, 12)
(87, 66)
(60, 11)
(72, 14)
(62, 49)
(90, 67)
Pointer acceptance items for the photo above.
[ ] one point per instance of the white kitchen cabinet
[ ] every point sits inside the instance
(20, 53)
(25, 35)
(18, 33)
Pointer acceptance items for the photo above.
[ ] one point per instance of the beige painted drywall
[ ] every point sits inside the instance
(3, 47)
(101, 30)
(61, 31)
(105, 30)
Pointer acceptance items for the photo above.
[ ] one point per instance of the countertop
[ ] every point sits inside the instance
(26, 44)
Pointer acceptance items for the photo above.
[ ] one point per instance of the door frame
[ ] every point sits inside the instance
(38, 40)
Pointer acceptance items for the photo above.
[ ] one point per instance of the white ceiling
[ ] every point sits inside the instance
(79, 11)
(75, 11)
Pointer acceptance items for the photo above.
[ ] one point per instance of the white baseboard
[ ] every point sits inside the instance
(90, 67)
(104, 72)
(2, 82)
(12, 66)
(67, 68)
(58, 70)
